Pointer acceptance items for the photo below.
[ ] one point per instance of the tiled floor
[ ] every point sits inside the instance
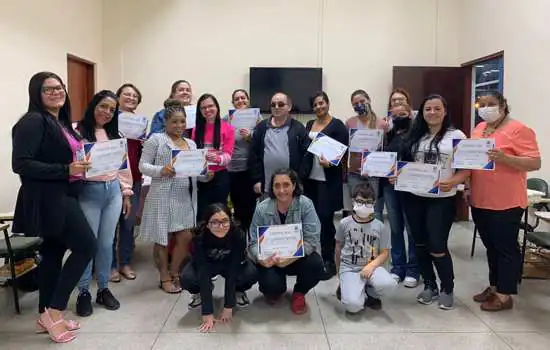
(150, 319)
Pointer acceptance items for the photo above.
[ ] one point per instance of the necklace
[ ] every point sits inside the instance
(488, 131)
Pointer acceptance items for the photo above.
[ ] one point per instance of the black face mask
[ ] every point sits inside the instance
(401, 123)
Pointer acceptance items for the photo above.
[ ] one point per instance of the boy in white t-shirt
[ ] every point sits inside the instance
(362, 247)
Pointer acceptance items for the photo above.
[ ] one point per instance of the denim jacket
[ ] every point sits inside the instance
(301, 211)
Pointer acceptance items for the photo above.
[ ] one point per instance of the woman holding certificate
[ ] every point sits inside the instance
(496, 212)
(218, 137)
(431, 213)
(44, 155)
(323, 179)
(285, 240)
(171, 204)
(181, 90)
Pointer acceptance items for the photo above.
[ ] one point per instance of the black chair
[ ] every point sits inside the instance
(12, 248)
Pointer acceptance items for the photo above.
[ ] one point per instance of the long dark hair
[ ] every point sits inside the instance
(87, 125)
(201, 123)
(37, 106)
(210, 211)
(420, 128)
(294, 178)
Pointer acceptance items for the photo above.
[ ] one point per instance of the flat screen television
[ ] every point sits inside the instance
(298, 83)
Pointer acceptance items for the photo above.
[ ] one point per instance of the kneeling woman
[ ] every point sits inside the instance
(219, 249)
(287, 205)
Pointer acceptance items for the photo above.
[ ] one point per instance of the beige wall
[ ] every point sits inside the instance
(213, 43)
(522, 31)
(36, 36)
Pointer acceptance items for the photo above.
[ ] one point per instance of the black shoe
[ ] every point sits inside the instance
(107, 299)
(330, 271)
(373, 303)
(84, 306)
(339, 294)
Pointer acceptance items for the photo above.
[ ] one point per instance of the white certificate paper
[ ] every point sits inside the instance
(244, 118)
(324, 146)
(190, 163)
(379, 164)
(133, 126)
(285, 241)
(362, 140)
(106, 156)
(191, 116)
(472, 154)
(417, 177)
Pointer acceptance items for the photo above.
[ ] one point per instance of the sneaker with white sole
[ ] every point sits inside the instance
(410, 282)
(428, 295)
(195, 302)
(242, 299)
(446, 301)
(396, 277)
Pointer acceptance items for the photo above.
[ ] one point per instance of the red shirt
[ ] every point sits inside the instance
(134, 155)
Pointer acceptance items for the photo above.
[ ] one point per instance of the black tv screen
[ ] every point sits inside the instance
(298, 83)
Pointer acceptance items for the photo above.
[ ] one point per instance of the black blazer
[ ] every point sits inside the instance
(41, 156)
(297, 146)
(333, 175)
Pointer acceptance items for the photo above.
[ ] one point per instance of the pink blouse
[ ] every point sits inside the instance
(227, 143)
(75, 147)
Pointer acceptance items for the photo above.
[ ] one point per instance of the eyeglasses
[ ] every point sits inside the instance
(219, 223)
(106, 108)
(277, 104)
(363, 202)
(50, 90)
(130, 95)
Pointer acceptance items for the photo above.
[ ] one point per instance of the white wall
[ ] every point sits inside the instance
(36, 36)
(213, 43)
(522, 31)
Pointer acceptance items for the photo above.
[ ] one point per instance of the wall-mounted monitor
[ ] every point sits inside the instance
(298, 83)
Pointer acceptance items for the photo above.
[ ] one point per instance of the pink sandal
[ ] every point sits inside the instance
(47, 321)
(70, 324)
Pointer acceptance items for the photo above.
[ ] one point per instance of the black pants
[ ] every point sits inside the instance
(214, 191)
(247, 276)
(317, 191)
(308, 271)
(56, 280)
(242, 197)
(499, 231)
(430, 221)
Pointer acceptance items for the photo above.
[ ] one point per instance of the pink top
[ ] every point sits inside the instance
(75, 147)
(505, 187)
(124, 176)
(356, 123)
(227, 142)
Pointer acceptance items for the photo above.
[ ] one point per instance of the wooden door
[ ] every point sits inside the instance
(80, 85)
(454, 84)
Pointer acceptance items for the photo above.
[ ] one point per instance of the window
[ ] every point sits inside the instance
(488, 76)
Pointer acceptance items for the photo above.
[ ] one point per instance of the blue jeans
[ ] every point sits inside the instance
(101, 203)
(125, 240)
(401, 266)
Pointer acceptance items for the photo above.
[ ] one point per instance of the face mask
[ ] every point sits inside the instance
(401, 123)
(363, 210)
(489, 114)
(361, 108)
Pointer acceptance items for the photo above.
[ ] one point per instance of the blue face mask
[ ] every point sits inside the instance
(361, 108)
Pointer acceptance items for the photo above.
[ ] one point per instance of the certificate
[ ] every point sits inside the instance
(285, 241)
(324, 146)
(191, 116)
(244, 118)
(106, 156)
(472, 154)
(362, 140)
(417, 177)
(190, 163)
(132, 126)
(379, 164)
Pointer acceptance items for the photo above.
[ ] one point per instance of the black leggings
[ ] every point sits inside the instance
(56, 280)
(308, 271)
(213, 191)
(499, 231)
(243, 197)
(430, 221)
(317, 191)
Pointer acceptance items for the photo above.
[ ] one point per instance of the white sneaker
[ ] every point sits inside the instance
(396, 278)
(195, 302)
(410, 282)
(242, 299)
(215, 278)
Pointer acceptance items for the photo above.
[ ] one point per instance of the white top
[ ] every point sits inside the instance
(445, 159)
(317, 171)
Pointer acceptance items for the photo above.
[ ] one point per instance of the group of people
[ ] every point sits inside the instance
(267, 177)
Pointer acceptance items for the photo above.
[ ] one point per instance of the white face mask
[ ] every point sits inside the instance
(363, 210)
(489, 114)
